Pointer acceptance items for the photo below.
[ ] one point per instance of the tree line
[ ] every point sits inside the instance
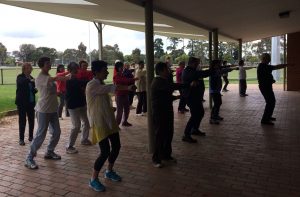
(176, 50)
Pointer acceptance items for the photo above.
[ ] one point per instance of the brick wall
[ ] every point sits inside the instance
(293, 57)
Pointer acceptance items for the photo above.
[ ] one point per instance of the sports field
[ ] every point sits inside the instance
(8, 91)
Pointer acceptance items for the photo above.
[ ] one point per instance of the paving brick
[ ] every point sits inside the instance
(239, 157)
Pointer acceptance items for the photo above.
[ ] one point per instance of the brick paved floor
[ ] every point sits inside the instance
(237, 158)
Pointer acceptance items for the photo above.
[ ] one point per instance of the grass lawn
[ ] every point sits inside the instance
(8, 92)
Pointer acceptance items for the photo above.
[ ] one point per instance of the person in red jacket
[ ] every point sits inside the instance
(83, 73)
(61, 90)
(122, 100)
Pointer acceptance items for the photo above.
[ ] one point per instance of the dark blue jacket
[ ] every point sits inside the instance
(25, 93)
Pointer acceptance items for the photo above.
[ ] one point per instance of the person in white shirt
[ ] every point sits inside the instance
(46, 113)
(243, 78)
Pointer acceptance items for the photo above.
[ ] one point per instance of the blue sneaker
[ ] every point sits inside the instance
(96, 185)
(112, 175)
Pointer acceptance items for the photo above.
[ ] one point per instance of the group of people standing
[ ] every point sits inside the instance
(88, 100)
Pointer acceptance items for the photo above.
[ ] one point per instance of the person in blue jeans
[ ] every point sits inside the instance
(46, 113)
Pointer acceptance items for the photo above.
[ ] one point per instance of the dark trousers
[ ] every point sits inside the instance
(62, 103)
(243, 86)
(182, 101)
(226, 81)
(24, 111)
(217, 100)
(130, 97)
(269, 97)
(108, 151)
(164, 128)
(122, 103)
(142, 102)
(197, 113)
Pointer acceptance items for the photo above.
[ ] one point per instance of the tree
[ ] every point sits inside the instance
(198, 48)
(128, 58)
(136, 55)
(263, 46)
(158, 48)
(3, 53)
(44, 51)
(112, 53)
(183, 57)
(94, 54)
(27, 52)
(81, 51)
(174, 52)
(70, 55)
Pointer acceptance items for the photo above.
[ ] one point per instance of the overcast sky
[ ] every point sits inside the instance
(22, 26)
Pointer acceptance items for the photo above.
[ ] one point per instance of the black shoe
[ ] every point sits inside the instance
(267, 122)
(198, 132)
(30, 139)
(214, 121)
(189, 139)
(126, 124)
(21, 143)
(219, 118)
(170, 159)
(273, 119)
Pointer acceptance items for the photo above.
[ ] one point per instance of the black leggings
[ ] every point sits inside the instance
(112, 154)
(23, 111)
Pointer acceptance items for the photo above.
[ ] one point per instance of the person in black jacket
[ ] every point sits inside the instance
(193, 92)
(163, 116)
(25, 101)
(265, 81)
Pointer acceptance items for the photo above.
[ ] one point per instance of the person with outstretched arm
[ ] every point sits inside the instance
(265, 82)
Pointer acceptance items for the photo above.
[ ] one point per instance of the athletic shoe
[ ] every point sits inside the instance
(139, 114)
(112, 175)
(52, 155)
(30, 164)
(188, 139)
(86, 143)
(157, 165)
(21, 143)
(273, 119)
(71, 150)
(96, 185)
(30, 139)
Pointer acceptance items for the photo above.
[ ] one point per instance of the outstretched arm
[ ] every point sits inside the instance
(279, 66)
